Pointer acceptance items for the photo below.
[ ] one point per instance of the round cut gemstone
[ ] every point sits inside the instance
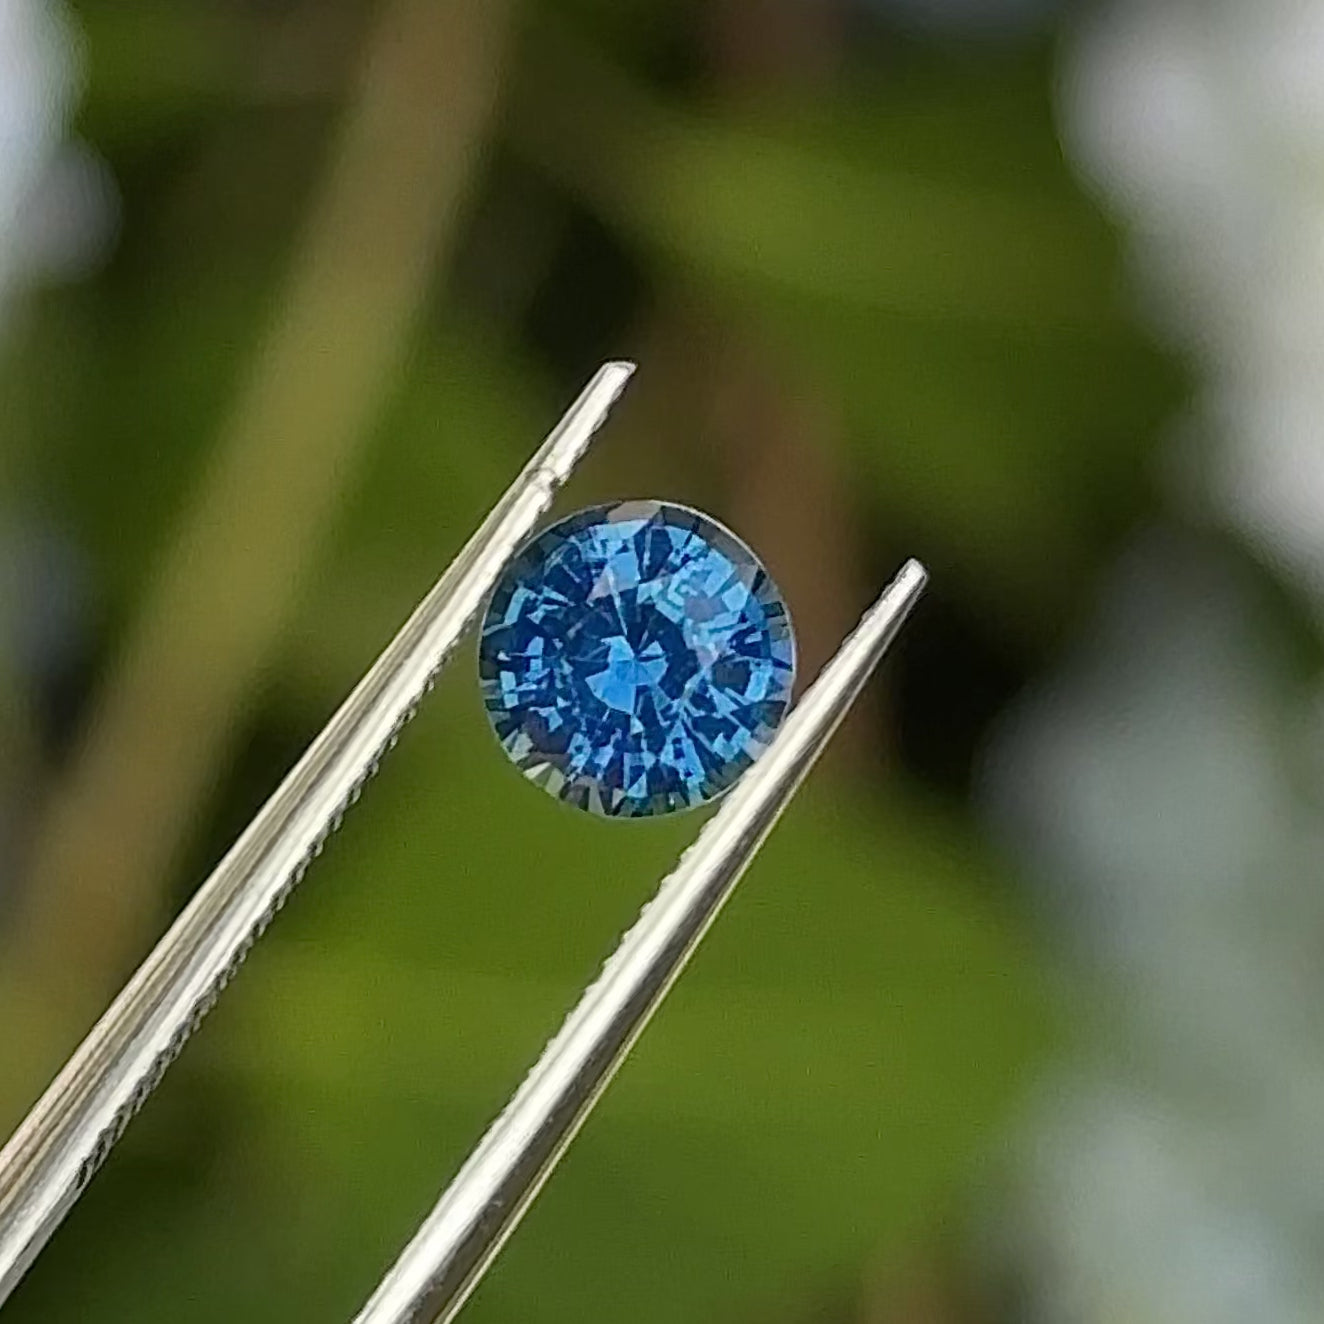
(636, 659)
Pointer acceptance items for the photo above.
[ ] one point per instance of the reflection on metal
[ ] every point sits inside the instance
(67, 1135)
(471, 1222)
(65, 1138)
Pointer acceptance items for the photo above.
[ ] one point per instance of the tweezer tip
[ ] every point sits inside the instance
(605, 387)
(571, 437)
(616, 372)
(913, 576)
(889, 612)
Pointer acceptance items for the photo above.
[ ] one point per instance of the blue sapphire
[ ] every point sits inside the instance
(636, 659)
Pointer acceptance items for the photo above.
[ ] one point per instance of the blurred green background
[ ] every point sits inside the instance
(340, 267)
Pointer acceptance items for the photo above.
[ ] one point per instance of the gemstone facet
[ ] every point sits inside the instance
(636, 658)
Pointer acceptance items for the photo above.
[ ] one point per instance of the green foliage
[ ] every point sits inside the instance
(918, 250)
(865, 1015)
(815, 1086)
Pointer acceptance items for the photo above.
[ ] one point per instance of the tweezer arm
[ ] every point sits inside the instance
(478, 1212)
(67, 1135)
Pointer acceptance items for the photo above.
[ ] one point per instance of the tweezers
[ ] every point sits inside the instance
(59, 1146)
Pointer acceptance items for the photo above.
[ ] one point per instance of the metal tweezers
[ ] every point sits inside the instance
(54, 1154)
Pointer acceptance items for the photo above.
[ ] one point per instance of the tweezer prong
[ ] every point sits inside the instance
(64, 1139)
(482, 1206)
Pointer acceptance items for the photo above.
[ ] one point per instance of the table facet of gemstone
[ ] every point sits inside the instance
(635, 659)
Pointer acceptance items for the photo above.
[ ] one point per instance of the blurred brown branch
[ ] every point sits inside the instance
(211, 620)
(780, 432)
(769, 434)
